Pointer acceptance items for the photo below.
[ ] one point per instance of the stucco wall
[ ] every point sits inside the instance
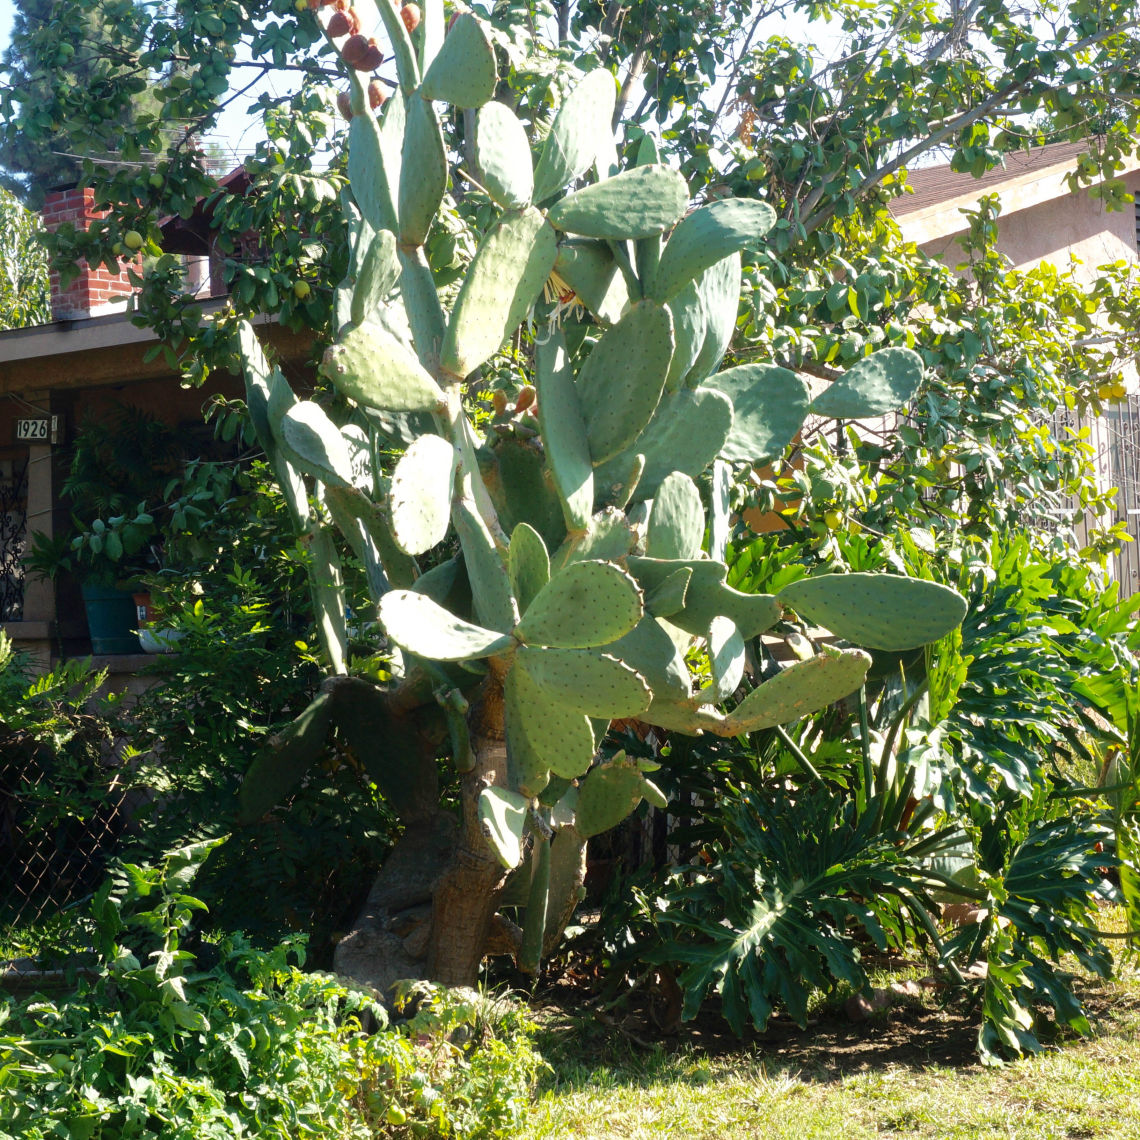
(1074, 226)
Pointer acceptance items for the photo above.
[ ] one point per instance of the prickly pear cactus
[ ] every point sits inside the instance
(589, 577)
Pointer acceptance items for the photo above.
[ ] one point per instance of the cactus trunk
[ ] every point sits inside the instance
(466, 894)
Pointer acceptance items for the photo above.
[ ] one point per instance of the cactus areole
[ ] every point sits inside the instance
(584, 579)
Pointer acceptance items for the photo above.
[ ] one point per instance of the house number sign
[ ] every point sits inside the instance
(37, 429)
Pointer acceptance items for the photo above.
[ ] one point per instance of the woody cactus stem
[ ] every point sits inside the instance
(583, 585)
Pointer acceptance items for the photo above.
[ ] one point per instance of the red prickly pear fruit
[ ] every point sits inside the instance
(353, 50)
(526, 398)
(410, 14)
(372, 58)
(377, 96)
(344, 23)
(499, 401)
(344, 104)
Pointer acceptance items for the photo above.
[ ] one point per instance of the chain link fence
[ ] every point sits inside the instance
(63, 813)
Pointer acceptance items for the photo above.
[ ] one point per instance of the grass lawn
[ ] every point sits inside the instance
(908, 1071)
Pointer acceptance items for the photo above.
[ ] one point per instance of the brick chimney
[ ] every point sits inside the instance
(95, 291)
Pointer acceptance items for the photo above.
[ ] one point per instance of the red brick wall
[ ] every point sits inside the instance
(93, 288)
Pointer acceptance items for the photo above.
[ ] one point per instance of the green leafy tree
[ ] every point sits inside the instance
(24, 295)
(87, 52)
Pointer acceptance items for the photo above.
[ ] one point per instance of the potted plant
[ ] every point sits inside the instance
(121, 469)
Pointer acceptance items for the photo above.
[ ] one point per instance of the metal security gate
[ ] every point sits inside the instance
(1120, 456)
(13, 533)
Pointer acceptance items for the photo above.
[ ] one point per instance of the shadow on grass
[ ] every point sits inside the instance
(916, 1034)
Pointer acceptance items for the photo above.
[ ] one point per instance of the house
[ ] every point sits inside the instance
(88, 360)
(1043, 220)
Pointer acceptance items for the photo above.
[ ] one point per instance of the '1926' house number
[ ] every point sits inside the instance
(37, 429)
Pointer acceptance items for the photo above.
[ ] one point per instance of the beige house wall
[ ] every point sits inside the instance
(1041, 222)
(1058, 230)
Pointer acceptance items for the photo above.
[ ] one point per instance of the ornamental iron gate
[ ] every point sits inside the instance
(13, 531)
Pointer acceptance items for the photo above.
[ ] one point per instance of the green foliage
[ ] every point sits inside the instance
(236, 598)
(790, 891)
(230, 1041)
(24, 294)
(59, 788)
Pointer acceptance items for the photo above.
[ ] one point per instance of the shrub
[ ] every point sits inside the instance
(162, 1043)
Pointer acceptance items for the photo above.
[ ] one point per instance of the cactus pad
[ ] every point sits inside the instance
(726, 657)
(528, 565)
(423, 627)
(708, 596)
(502, 817)
(620, 383)
(420, 496)
(585, 604)
(606, 538)
(564, 431)
(579, 130)
(687, 432)
(315, 444)
(769, 404)
(878, 384)
(589, 269)
(677, 522)
(718, 292)
(561, 739)
(706, 236)
(668, 597)
(802, 688)
(635, 204)
(650, 650)
(607, 795)
(526, 770)
(370, 186)
(493, 602)
(377, 275)
(586, 680)
(502, 152)
(369, 365)
(880, 611)
(502, 283)
(423, 173)
(463, 71)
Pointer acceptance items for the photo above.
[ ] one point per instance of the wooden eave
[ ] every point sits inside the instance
(1019, 192)
(107, 350)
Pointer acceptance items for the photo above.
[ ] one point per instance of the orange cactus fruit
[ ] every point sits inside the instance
(410, 14)
(377, 95)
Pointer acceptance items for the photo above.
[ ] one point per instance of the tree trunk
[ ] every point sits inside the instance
(429, 913)
(466, 895)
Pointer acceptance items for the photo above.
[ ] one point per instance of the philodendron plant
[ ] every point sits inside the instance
(590, 572)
